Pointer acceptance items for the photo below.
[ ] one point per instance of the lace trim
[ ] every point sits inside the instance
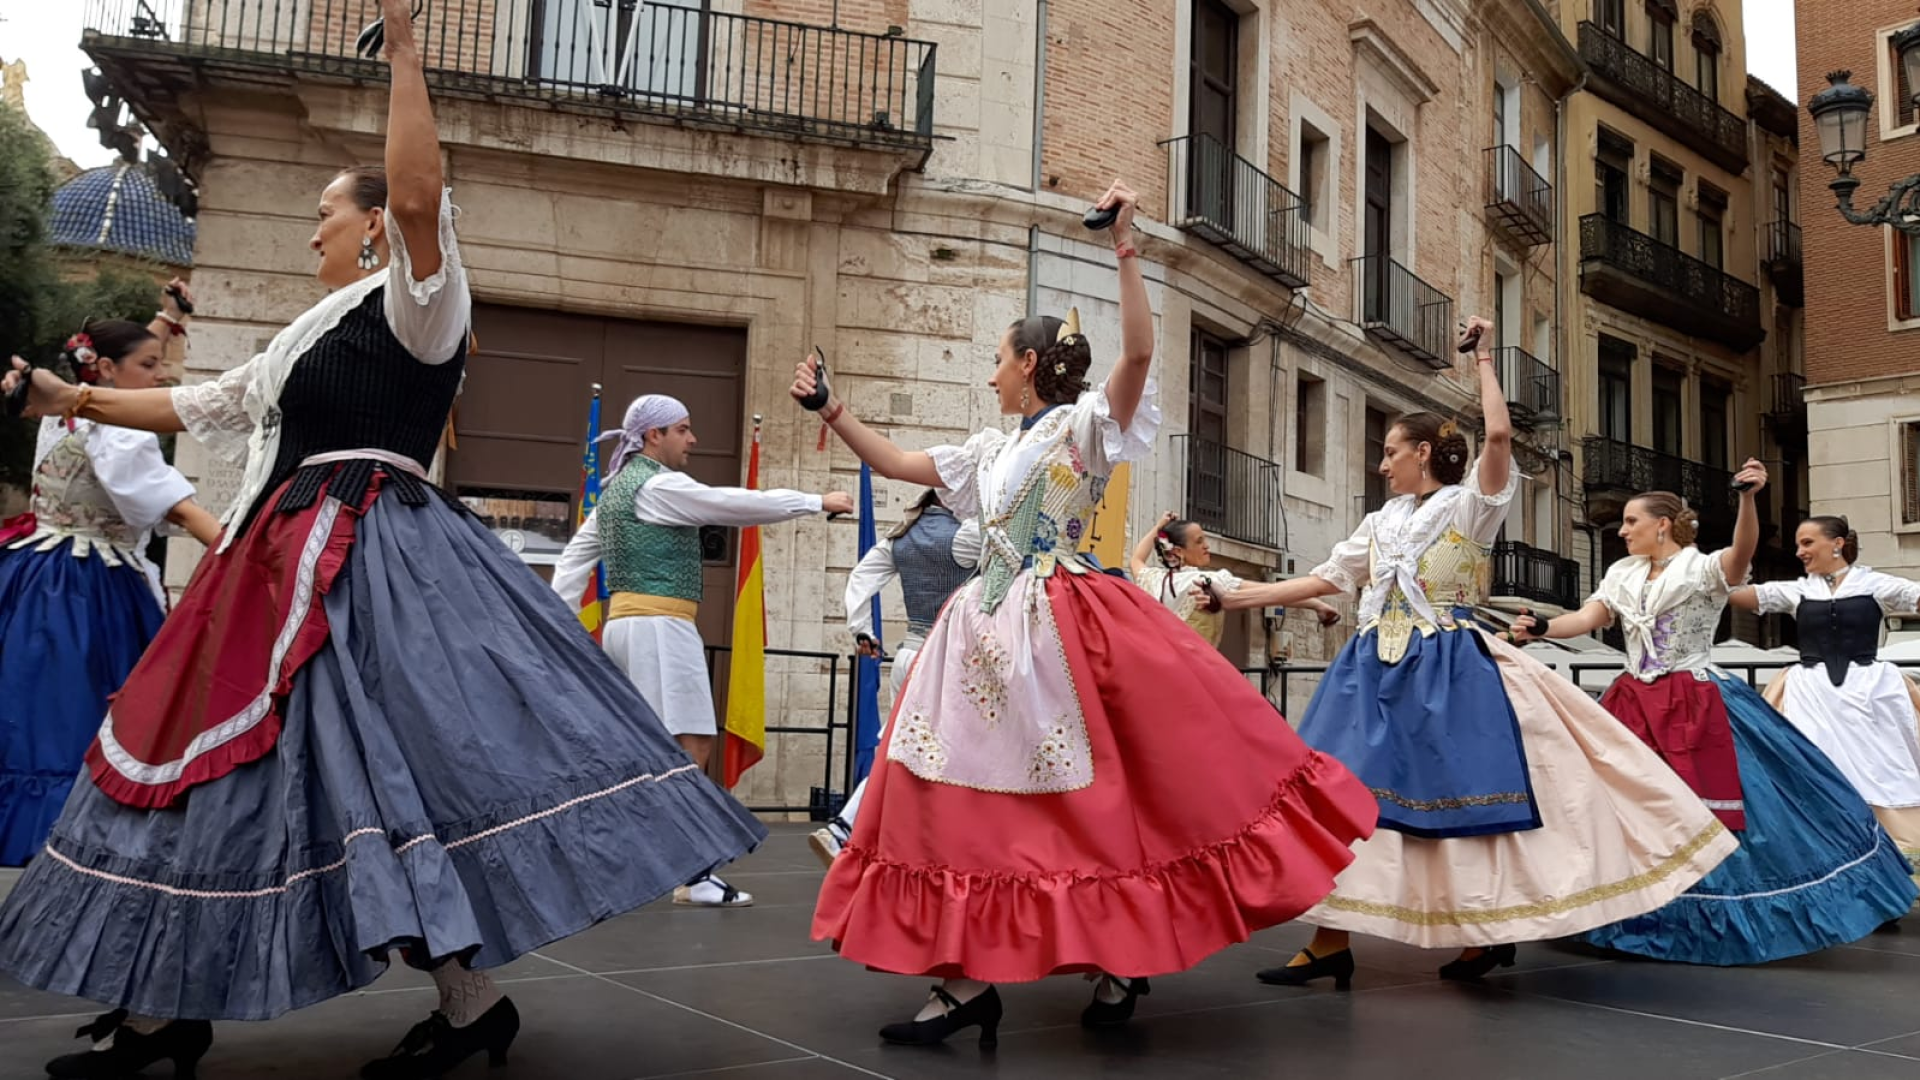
(361, 834)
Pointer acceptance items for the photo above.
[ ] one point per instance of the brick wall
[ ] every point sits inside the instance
(1847, 289)
(1109, 97)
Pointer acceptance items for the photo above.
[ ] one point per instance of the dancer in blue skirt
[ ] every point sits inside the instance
(367, 726)
(78, 599)
(1814, 868)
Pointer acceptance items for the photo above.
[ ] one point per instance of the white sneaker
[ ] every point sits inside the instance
(710, 891)
(826, 845)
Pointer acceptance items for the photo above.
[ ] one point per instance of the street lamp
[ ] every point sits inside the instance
(1840, 117)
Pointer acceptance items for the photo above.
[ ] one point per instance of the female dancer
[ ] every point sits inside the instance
(932, 553)
(389, 732)
(1033, 811)
(1185, 560)
(1514, 808)
(1814, 868)
(1859, 710)
(78, 599)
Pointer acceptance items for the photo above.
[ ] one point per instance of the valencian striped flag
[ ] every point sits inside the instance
(593, 601)
(747, 671)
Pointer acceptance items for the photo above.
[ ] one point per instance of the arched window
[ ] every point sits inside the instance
(1706, 55)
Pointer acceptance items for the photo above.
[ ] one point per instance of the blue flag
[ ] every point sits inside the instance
(866, 721)
(592, 604)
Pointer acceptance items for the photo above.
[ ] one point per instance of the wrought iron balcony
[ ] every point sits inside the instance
(1532, 573)
(1784, 263)
(1226, 200)
(1403, 312)
(696, 67)
(1230, 493)
(1634, 82)
(1638, 274)
(1519, 200)
(1787, 410)
(1533, 388)
(1623, 470)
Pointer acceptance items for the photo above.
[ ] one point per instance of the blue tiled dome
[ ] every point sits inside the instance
(118, 208)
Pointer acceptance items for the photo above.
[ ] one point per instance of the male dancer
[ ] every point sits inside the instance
(649, 540)
(932, 553)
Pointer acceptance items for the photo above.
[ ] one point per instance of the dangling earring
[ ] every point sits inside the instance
(369, 258)
(1836, 553)
(1663, 538)
(1025, 396)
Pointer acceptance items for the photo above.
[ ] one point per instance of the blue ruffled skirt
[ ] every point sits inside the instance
(1433, 735)
(1814, 868)
(70, 630)
(461, 773)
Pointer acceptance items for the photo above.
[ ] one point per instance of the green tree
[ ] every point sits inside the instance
(38, 308)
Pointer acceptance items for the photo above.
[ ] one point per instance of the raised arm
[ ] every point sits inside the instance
(170, 326)
(1129, 378)
(1737, 558)
(414, 178)
(914, 466)
(1143, 550)
(1496, 453)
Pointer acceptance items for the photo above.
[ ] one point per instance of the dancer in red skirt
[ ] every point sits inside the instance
(1032, 812)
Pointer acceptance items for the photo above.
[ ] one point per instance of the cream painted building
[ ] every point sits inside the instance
(689, 198)
(1682, 280)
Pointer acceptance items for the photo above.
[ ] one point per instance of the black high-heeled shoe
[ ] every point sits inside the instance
(1113, 1013)
(434, 1045)
(1476, 968)
(1338, 965)
(983, 1010)
(184, 1042)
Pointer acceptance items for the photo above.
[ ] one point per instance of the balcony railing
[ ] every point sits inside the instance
(1636, 273)
(1787, 410)
(1519, 200)
(1230, 493)
(1530, 573)
(1634, 82)
(1402, 311)
(1226, 200)
(1626, 469)
(1784, 263)
(700, 67)
(1533, 388)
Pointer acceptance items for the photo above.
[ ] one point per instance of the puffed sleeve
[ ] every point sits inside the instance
(1102, 441)
(1348, 566)
(215, 412)
(136, 475)
(1608, 591)
(1710, 576)
(1479, 515)
(959, 468)
(429, 317)
(1778, 597)
(1896, 594)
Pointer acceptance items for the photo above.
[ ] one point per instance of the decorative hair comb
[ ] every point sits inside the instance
(1448, 429)
(1070, 326)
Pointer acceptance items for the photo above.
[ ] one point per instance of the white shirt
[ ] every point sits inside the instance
(876, 569)
(229, 414)
(1895, 594)
(675, 499)
(129, 466)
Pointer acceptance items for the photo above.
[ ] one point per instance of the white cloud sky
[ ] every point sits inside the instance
(1770, 46)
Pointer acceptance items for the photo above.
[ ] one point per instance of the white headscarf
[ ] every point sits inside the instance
(648, 412)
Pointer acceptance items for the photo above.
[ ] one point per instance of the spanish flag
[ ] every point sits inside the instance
(747, 673)
(593, 600)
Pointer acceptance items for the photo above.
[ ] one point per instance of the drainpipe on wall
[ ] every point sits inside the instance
(1039, 130)
(1560, 287)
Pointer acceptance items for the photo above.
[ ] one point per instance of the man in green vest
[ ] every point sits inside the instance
(646, 530)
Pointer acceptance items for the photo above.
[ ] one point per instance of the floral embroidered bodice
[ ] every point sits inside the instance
(1418, 560)
(1668, 621)
(69, 499)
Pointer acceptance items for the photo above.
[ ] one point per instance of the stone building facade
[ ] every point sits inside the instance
(1863, 297)
(1682, 275)
(688, 198)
